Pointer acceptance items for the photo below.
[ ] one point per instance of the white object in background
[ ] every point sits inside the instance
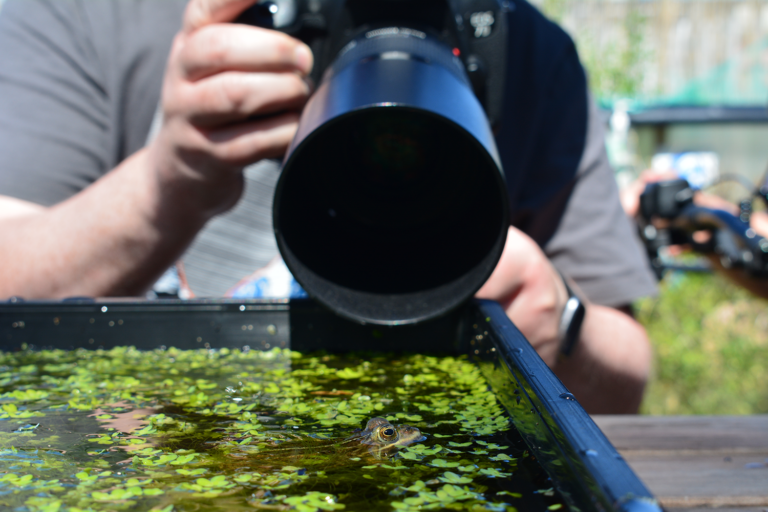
(700, 169)
(619, 145)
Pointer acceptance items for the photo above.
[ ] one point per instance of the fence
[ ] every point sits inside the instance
(671, 51)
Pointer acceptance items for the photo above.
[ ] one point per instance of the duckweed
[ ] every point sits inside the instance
(172, 430)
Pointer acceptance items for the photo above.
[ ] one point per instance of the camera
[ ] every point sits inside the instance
(474, 30)
(391, 207)
(669, 216)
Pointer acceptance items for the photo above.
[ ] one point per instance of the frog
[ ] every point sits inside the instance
(383, 439)
(379, 440)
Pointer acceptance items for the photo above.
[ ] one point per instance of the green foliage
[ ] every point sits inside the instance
(616, 69)
(710, 339)
(554, 9)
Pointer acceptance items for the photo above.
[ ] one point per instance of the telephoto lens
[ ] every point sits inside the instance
(391, 207)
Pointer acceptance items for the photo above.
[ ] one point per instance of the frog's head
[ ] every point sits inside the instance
(383, 433)
(409, 435)
(379, 432)
(384, 438)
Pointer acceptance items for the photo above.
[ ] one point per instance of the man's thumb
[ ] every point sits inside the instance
(200, 13)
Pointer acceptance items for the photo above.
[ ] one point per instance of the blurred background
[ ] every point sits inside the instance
(683, 85)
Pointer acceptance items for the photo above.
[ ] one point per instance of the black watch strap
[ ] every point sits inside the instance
(570, 321)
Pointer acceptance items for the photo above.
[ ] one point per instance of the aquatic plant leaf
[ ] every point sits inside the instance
(314, 501)
(417, 486)
(191, 472)
(181, 460)
(349, 373)
(453, 478)
(493, 473)
(442, 463)
(502, 457)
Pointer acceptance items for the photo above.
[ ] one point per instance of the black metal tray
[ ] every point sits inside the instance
(582, 463)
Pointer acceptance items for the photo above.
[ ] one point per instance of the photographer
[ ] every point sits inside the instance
(86, 210)
(758, 222)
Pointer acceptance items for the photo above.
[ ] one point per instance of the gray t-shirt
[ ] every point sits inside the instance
(80, 82)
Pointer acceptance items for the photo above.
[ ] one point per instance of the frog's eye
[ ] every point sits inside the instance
(388, 434)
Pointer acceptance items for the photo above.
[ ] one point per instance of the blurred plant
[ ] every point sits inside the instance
(616, 67)
(711, 348)
(616, 71)
(554, 9)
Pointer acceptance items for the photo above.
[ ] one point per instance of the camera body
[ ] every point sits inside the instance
(669, 216)
(476, 30)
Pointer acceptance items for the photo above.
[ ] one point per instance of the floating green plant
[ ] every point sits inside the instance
(171, 430)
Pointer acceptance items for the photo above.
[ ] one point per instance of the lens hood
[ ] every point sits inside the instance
(391, 207)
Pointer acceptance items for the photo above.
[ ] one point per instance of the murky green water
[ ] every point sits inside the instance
(209, 430)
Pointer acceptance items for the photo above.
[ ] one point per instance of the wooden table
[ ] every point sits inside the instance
(696, 463)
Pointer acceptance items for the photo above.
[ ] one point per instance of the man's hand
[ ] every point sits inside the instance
(531, 292)
(610, 364)
(630, 198)
(231, 96)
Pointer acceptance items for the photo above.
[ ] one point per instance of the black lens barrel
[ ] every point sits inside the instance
(391, 207)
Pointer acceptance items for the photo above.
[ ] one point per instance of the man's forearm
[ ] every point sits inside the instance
(231, 96)
(610, 365)
(114, 238)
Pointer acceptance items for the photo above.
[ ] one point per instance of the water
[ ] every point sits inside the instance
(243, 430)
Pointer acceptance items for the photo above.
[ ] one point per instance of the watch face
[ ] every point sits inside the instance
(570, 321)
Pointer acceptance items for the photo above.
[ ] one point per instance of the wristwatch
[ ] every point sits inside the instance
(570, 321)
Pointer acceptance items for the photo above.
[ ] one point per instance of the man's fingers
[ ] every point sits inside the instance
(508, 277)
(200, 13)
(233, 96)
(241, 144)
(232, 92)
(218, 48)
